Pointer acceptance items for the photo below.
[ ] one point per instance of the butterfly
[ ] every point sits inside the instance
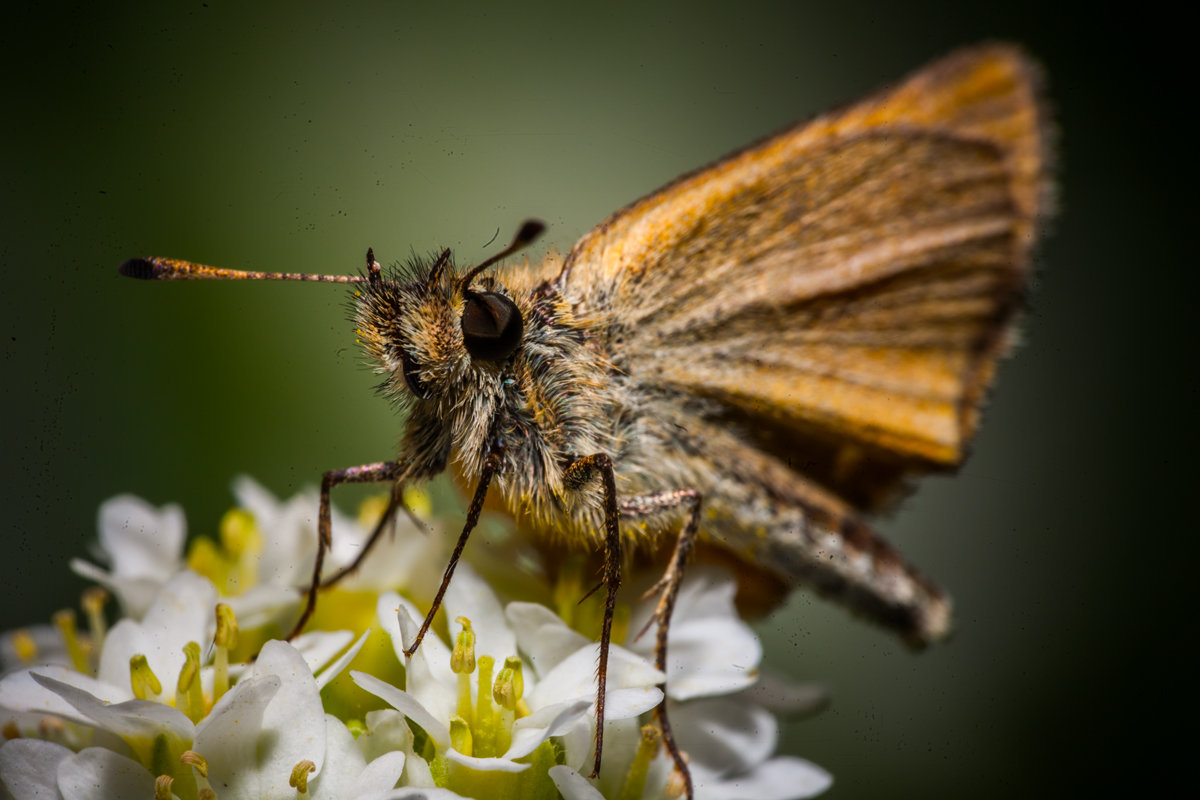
(752, 360)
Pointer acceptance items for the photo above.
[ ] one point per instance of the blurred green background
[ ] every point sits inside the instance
(292, 136)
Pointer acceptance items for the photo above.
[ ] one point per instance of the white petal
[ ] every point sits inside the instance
(335, 669)
(125, 640)
(99, 774)
(572, 785)
(485, 764)
(529, 732)
(181, 613)
(724, 735)
(133, 719)
(289, 532)
(407, 705)
(417, 772)
(575, 679)
(621, 740)
(263, 604)
(28, 768)
(578, 743)
(783, 778)
(711, 650)
(318, 648)
(255, 498)
(343, 763)
(387, 609)
(134, 594)
(423, 794)
(542, 636)
(231, 736)
(21, 692)
(387, 731)
(470, 596)
(406, 556)
(718, 657)
(781, 696)
(139, 539)
(290, 543)
(428, 678)
(295, 713)
(627, 703)
(433, 652)
(378, 777)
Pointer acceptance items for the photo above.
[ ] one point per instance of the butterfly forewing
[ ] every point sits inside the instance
(848, 281)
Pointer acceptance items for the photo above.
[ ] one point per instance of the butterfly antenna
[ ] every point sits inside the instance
(529, 231)
(171, 269)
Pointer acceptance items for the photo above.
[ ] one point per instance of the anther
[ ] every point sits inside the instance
(143, 681)
(65, 622)
(299, 777)
(196, 761)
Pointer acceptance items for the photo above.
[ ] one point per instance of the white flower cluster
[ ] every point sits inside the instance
(158, 707)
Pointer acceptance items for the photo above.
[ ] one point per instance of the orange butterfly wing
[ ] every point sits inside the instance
(842, 289)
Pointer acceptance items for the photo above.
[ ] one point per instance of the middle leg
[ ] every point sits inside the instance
(667, 589)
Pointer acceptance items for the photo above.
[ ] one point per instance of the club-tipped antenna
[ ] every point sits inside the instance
(373, 268)
(529, 231)
(171, 269)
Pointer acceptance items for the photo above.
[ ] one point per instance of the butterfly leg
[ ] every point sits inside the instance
(395, 502)
(667, 589)
(575, 477)
(366, 473)
(490, 465)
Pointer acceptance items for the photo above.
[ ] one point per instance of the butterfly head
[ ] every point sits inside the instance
(436, 332)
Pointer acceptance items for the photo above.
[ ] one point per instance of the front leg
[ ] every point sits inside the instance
(367, 473)
(490, 465)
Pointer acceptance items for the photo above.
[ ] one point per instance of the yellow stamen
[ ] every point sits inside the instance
(569, 588)
(510, 684)
(204, 558)
(462, 662)
(24, 645)
(188, 692)
(460, 736)
(418, 501)
(52, 729)
(142, 679)
(507, 691)
(94, 600)
(634, 784)
(65, 621)
(299, 778)
(462, 659)
(196, 761)
(162, 787)
(241, 539)
(371, 510)
(237, 530)
(485, 725)
(227, 627)
(224, 641)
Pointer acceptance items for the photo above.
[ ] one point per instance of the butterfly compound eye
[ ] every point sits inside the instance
(412, 377)
(491, 326)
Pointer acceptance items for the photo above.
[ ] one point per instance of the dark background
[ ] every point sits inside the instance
(292, 138)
